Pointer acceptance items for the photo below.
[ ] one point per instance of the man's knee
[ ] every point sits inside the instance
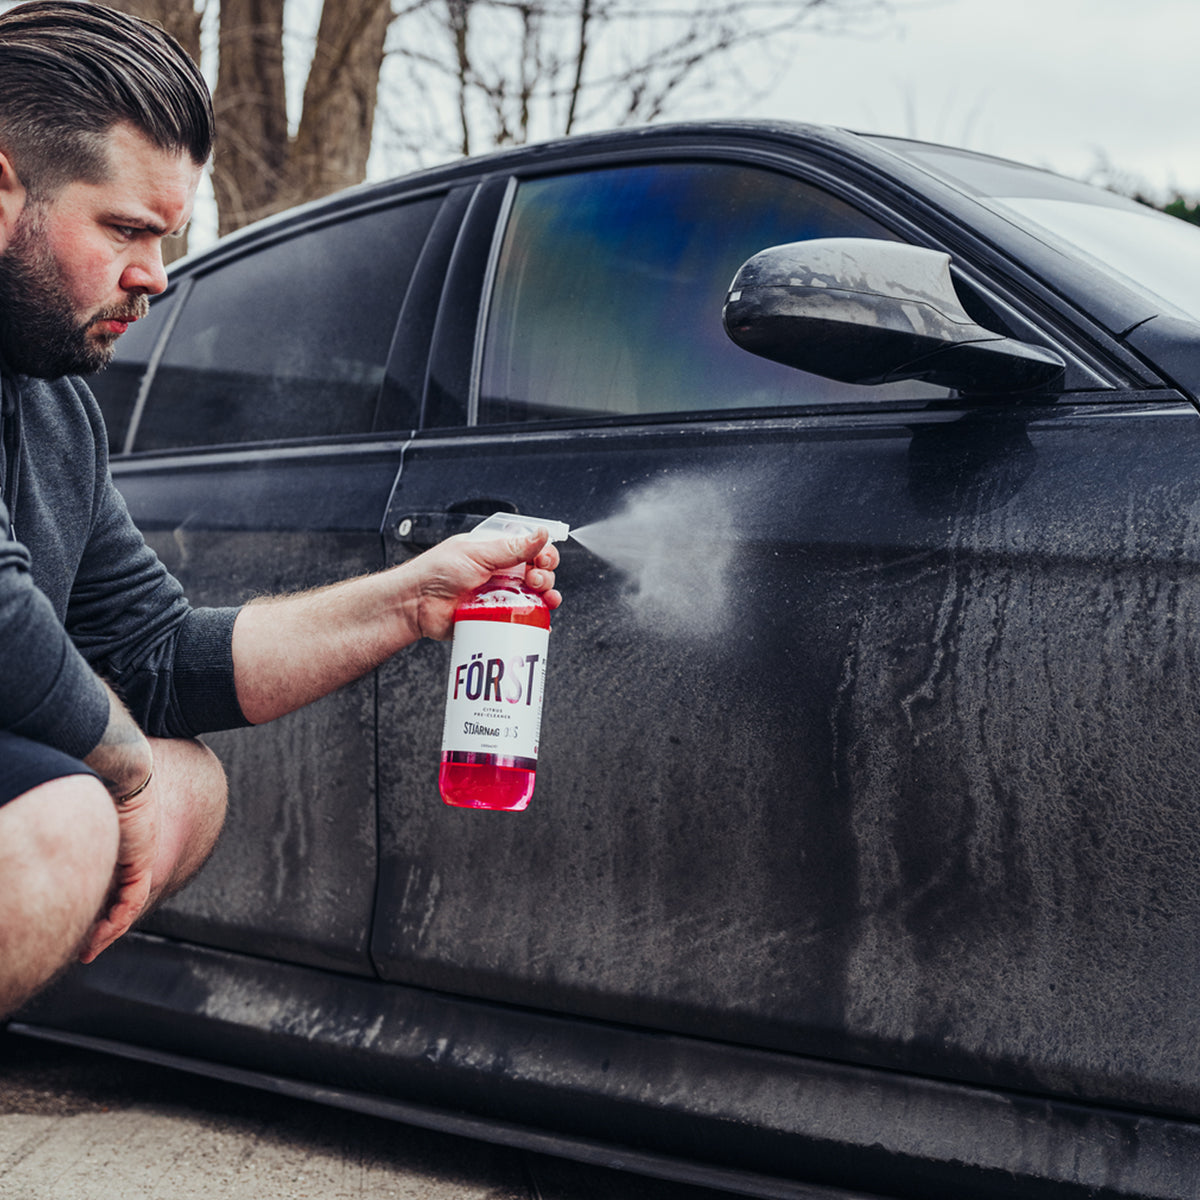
(65, 828)
(212, 791)
(192, 794)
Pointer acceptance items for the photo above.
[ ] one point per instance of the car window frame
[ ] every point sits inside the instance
(406, 369)
(179, 295)
(1102, 371)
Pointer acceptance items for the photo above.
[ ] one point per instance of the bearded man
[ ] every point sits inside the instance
(107, 675)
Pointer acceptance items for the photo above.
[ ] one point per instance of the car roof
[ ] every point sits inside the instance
(951, 179)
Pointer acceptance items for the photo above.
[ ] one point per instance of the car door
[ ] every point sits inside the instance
(863, 730)
(252, 469)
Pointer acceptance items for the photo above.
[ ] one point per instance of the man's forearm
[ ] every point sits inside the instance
(289, 651)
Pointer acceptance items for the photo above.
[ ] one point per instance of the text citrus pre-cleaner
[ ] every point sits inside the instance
(497, 679)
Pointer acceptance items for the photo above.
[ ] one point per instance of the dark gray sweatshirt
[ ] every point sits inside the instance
(82, 595)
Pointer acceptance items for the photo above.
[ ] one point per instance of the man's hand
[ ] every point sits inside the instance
(137, 848)
(124, 761)
(440, 579)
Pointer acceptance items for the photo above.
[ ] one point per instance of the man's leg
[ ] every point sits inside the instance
(164, 837)
(59, 845)
(58, 848)
(192, 799)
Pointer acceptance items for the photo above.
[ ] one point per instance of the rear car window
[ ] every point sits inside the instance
(289, 341)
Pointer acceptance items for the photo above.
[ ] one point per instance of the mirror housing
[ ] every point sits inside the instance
(865, 311)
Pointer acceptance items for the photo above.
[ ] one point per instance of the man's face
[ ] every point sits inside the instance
(79, 267)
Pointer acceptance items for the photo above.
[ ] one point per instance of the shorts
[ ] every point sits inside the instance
(25, 764)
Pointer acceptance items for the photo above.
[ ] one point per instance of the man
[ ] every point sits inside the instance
(107, 801)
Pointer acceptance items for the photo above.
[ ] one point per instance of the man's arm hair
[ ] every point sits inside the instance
(123, 758)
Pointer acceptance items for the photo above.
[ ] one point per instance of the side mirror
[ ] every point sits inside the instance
(865, 311)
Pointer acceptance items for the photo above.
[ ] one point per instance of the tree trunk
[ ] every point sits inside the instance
(250, 101)
(333, 141)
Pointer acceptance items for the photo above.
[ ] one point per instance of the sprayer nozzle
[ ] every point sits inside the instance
(502, 523)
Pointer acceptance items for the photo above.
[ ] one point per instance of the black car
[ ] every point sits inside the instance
(864, 857)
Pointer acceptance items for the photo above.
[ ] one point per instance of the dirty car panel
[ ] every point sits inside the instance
(862, 859)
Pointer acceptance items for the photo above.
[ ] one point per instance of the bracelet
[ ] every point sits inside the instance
(137, 791)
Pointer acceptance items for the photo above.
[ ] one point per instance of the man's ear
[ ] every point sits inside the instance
(12, 199)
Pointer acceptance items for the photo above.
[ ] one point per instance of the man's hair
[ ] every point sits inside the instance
(70, 70)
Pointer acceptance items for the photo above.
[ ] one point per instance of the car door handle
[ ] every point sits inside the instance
(425, 529)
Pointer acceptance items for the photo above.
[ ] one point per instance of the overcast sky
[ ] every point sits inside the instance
(1060, 83)
(1066, 84)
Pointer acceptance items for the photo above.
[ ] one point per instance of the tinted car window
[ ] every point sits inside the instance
(289, 341)
(611, 283)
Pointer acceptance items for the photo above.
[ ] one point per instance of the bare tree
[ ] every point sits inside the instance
(463, 76)
(260, 168)
(250, 102)
(331, 147)
(514, 70)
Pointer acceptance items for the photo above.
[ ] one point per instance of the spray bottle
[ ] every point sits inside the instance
(497, 678)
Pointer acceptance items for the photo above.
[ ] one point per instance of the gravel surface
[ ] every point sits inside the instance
(76, 1125)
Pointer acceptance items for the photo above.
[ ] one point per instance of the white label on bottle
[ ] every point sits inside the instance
(494, 693)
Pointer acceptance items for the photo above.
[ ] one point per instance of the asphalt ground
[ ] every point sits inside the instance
(79, 1125)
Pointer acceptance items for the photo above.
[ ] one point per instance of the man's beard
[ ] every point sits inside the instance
(41, 334)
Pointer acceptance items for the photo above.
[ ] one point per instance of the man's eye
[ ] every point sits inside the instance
(127, 232)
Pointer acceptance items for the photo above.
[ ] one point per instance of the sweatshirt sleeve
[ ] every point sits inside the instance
(48, 692)
(85, 601)
(172, 664)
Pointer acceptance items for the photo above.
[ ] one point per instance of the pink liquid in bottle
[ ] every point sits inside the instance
(494, 697)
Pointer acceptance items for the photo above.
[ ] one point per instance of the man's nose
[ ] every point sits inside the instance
(145, 273)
